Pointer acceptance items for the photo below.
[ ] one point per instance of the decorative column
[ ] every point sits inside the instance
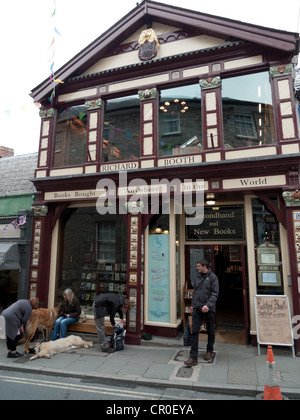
(212, 104)
(44, 159)
(292, 202)
(135, 277)
(286, 113)
(148, 127)
(37, 278)
(94, 142)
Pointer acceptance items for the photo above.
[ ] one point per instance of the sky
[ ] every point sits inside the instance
(28, 28)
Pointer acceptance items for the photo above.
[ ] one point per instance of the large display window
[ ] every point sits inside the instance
(180, 121)
(248, 111)
(70, 137)
(94, 255)
(121, 130)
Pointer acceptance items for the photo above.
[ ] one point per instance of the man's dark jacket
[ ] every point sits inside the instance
(206, 291)
(108, 305)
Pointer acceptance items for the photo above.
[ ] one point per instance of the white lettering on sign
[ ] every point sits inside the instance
(179, 160)
(115, 167)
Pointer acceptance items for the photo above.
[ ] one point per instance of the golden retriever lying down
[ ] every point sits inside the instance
(59, 346)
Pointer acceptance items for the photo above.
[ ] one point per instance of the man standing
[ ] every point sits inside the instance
(108, 305)
(206, 292)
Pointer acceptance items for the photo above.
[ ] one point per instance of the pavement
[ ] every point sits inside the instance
(235, 370)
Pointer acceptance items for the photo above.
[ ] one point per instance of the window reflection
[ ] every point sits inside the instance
(248, 111)
(121, 132)
(70, 140)
(180, 127)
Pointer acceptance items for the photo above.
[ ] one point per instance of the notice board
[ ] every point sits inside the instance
(159, 278)
(273, 321)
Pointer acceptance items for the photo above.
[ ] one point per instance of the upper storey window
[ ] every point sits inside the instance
(248, 111)
(121, 133)
(70, 140)
(180, 127)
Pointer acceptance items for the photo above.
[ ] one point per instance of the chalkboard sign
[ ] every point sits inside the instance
(273, 321)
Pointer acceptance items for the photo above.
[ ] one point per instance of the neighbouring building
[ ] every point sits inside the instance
(17, 194)
(6, 152)
(164, 99)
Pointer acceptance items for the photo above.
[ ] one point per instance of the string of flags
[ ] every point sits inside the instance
(17, 223)
(53, 80)
(117, 130)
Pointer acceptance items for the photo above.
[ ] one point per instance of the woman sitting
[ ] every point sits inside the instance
(70, 311)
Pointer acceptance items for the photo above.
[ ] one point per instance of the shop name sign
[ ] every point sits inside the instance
(256, 182)
(73, 195)
(224, 224)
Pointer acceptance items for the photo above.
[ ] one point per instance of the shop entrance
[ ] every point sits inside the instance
(228, 262)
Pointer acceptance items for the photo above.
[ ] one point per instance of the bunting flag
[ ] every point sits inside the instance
(117, 130)
(53, 80)
(17, 223)
(22, 220)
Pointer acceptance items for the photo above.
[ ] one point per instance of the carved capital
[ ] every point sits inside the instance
(94, 104)
(284, 70)
(148, 94)
(210, 83)
(47, 113)
(39, 210)
(291, 198)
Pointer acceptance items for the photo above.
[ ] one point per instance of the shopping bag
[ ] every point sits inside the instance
(2, 328)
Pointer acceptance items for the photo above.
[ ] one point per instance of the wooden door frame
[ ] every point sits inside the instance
(244, 276)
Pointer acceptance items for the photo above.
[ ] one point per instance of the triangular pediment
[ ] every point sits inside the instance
(178, 30)
(173, 41)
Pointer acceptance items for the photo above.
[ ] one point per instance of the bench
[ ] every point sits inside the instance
(89, 327)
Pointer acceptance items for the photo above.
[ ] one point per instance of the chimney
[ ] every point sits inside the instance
(6, 152)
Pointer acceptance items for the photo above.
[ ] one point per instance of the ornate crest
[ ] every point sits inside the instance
(148, 45)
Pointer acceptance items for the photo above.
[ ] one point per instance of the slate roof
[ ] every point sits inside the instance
(15, 173)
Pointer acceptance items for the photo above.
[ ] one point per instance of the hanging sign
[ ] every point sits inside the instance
(268, 262)
(273, 321)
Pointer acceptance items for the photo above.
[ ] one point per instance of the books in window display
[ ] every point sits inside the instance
(87, 296)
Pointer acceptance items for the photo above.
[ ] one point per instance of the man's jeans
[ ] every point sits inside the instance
(198, 316)
(104, 345)
(60, 327)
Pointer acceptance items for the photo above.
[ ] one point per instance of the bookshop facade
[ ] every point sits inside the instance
(130, 145)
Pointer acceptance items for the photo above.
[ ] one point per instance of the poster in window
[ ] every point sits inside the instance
(159, 279)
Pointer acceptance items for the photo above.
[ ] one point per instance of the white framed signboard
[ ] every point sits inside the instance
(273, 321)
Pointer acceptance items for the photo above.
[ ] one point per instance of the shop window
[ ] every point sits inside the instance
(8, 288)
(106, 242)
(267, 250)
(70, 137)
(248, 117)
(94, 256)
(180, 126)
(121, 132)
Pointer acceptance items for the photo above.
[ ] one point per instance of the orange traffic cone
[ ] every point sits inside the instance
(272, 391)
